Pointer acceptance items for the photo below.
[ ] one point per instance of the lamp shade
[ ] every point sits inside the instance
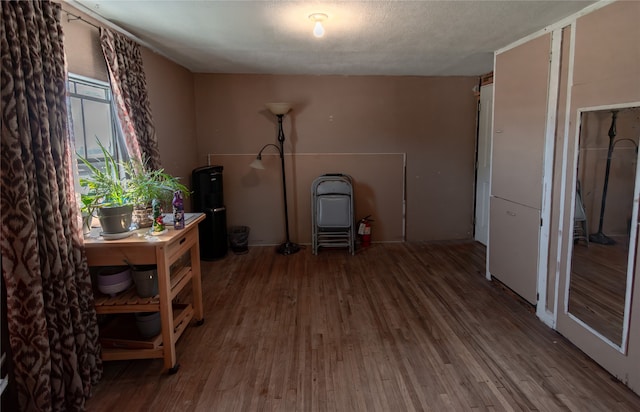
(257, 164)
(278, 108)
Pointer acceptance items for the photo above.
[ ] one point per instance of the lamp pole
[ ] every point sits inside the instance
(279, 109)
(287, 248)
(600, 237)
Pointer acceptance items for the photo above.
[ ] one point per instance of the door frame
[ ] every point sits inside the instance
(543, 313)
(482, 204)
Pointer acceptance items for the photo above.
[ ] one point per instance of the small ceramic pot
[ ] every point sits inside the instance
(114, 279)
(148, 324)
(146, 280)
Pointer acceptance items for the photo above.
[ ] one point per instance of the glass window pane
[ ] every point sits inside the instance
(98, 125)
(92, 119)
(91, 91)
(78, 127)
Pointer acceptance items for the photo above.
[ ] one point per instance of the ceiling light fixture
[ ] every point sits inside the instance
(318, 18)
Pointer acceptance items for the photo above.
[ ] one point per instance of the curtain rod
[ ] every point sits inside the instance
(78, 18)
(81, 7)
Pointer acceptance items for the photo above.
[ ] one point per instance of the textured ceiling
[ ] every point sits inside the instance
(422, 38)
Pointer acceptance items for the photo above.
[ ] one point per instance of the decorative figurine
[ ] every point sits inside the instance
(158, 224)
(178, 210)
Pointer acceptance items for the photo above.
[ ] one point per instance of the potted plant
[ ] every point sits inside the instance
(107, 192)
(145, 185)
(125, 189)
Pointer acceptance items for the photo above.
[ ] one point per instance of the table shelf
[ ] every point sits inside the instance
(128, 301)
(120, 338)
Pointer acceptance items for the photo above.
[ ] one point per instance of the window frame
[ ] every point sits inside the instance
(115, 145)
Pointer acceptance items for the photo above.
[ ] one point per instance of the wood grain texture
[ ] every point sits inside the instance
(397, 327)
(598, 286)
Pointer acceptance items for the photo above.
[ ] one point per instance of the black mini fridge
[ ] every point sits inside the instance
(208, 199)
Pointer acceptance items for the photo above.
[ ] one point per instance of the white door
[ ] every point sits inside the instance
(517, 157)
(483, 166)
(514, 242)
(596, 306)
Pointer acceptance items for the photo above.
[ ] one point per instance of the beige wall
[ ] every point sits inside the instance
(172, 102)
(82, 45)
(432, 120)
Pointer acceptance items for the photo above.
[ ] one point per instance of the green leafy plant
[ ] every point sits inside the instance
(123, 183)
(108, 187)
(147, 184)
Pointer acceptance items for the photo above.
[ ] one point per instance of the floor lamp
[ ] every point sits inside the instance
(279, 109)
(600, 237)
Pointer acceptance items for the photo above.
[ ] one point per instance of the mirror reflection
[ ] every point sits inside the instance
(603, 222)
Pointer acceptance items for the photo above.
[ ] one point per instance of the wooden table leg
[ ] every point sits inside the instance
(166, 309)
(196, 282)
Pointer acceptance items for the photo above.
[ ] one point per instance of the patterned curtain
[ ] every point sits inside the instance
(52, 322)
(129, 87)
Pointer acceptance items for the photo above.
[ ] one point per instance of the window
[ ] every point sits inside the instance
(93, 119)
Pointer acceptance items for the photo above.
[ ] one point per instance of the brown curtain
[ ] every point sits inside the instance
(51, 317)
(129, 87)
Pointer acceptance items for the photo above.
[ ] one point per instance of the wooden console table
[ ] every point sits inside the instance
(162, 250)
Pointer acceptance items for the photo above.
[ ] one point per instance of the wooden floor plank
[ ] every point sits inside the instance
(397, 327)
(598, 286)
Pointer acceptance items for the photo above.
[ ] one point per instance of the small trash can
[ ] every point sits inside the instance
(239, 239)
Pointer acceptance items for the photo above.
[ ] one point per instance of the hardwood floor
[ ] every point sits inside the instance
(599, 285)
(397, 327)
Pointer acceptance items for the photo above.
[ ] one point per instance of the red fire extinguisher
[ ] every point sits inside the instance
(364, 231)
